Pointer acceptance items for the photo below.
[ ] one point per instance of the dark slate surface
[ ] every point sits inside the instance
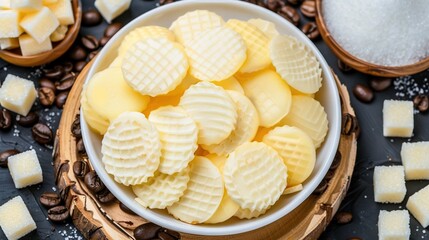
(373, 150)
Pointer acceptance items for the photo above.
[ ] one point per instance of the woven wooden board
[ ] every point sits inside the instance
(107, 221)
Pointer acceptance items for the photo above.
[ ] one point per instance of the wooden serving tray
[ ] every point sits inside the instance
(96, 220)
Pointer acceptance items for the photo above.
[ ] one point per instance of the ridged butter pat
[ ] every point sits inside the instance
(17, 94)
(40, 24)
(29, 46)
(110, 9)
(418, 205)
(398, 118)
(25, 169)
(394, 225)
(15, 219)
(9, 24)
(415, 158)
(63, 11)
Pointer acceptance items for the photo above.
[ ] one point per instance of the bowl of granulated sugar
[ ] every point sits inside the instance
(385, 38)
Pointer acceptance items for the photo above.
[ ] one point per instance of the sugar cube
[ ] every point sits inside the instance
(4, 4)
(394, 225)
(40, 24)
(418, 205)
(398, 118)
(389, 184)
(15, 219)
(64, 11)
(110, 9)
(17, 94)
(9, 24)
(26, 5)
(29, 46)
(25, 169)
(415, 158)
(9, 43)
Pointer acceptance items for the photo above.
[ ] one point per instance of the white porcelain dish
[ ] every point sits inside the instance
(328, 96)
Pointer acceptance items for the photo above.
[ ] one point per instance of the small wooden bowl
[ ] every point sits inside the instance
(359, 64)
(14, 56)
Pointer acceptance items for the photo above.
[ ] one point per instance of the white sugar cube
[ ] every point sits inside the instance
(26, 5)
(29, 46)
(9, 24)
(4, 4)
(8, 43)
(15, 219)
(398, 118)
(110, 9)
(389, 184)
(64, 11)
(40, 24)
(25, 169)
(17, 94)
(394, 225)
(415, 158)
(418, 205)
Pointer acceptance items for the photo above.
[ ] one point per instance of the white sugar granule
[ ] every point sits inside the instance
(383, 32)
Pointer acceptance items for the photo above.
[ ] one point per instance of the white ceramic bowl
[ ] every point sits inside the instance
(328, 96)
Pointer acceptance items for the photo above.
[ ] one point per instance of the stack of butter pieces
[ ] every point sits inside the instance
(208, 119)
(33, 25)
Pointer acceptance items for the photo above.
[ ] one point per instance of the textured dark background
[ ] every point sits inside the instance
(373, 150)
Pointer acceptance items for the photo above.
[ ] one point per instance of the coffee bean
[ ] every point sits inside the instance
(54, 73)
(261, 3)
(29, 120)
(343, 66)
(90, 42)
(104, 40)
(58, 214)
(93, 54)
(329, 175)
(310, 30)
(50, 199)
(66, 83)
(105, 196)
(336, 162)
(42, 133)
(349, 124)
(44, 82)
(80, 147)
(91, 18)
(172, 233)
(363, 93)
(5, 119)
(68, 67)
(126, 209)
(80, 168)
(273, 5)
(78, 66)
(146, 231)
(75, 128)
(421, 102)
(320, 189)
(294, 2)
(308, 8)
(380, 84)
(112, 29)
(61, 99)
(78, 53)
(93, 182)
(46, 96)
(289, 14)
(343, 217)
(165, 236)
(163, 2)
(5, 155)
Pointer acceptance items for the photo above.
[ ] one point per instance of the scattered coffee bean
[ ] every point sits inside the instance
(251, 1)
(329, 175)
(44, 82)
(380, 84)
(80, 168)
(323, 185)
(46, 96)
(363, 93)
(163, 2)
(349, 124)
(58, 214)
(29, 120)
(261, 3)
(165, 236)
(42, 133)
(421, 102)
(289, 14)
(61, 99)
(5, 155)
(112, 29)
(78, 53)
(294, 2)
(78, 66)
(93, 54)
(50, 199)
(54, 73)
(93, 182)
(90, 42)
(91, 18)
(343, 217)
(126, 209)
(308, 8)
(66, 83)
(80, 147)
(343, 66)
(146, 231)
(5, 119)
(336, 162)
(273, 5)
(68, 67)
(75, 128)
(105, 196)
(311, 31)
(104, 40)
(172, 233)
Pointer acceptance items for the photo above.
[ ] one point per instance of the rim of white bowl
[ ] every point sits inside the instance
(252, 224)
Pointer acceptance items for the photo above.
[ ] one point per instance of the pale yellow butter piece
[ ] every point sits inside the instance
(270, 95)
(227, 208)
(40, 25)
(230, 84)
(9, 43)
(267, 27)
(29, 46)
(161, 101)
(17, 94)
(63, 10)
(398, 118)
(110, 9)
(415, 158)
(418, 205)
(394, 225)
(25, 169)
(15, 219)
(94, 120)
(9, 24)
(389, 184)
(46, 2)
(188, 81)
(293, 189)
(4, 4)
(26, 5)
(59, 33)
